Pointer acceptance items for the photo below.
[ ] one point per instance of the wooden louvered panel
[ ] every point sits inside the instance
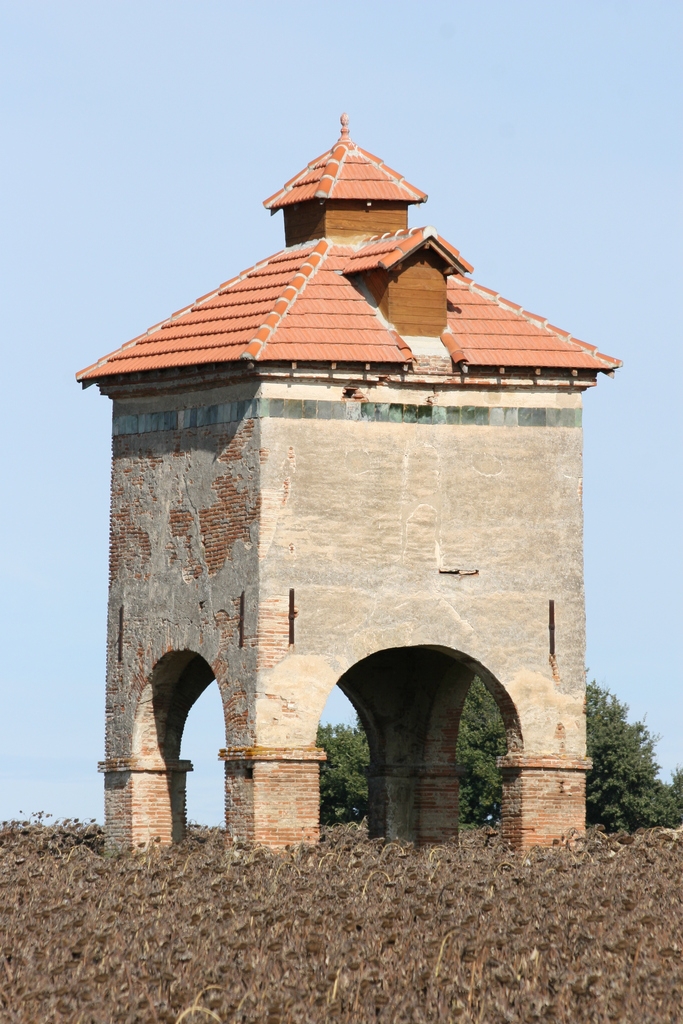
(346, 220)
(342, 220)
(304, 222)
(413, 298)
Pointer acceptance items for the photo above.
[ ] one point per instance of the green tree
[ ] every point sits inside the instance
(343, 782)
(677, 790)
(481, 739)
(622, 789)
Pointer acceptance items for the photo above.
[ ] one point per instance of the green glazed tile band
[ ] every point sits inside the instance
(359, 412)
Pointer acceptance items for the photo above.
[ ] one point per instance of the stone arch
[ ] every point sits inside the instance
(158, 811)
(409, 701)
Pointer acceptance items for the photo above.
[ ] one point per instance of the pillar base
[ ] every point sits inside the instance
(144, 802)
(272, 794)
(414, 803)
(544, 798)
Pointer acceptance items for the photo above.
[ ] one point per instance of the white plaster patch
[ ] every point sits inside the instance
(541, 708)
(421, 345)
(291, 699)
(420, 546)
(403, 623)
(487, 464)
(271, 506)
(358, 462)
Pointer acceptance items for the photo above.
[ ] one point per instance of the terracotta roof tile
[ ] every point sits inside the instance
(346, 172)
(302, 304)
(491, 331)
(296, 305)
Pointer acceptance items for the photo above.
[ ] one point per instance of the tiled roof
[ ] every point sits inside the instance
(346, 172)
(297, 305)
(388, 250)
(306, 304)
(491, 331)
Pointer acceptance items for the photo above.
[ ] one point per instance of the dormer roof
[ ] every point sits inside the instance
(390, 250)
(346, 172)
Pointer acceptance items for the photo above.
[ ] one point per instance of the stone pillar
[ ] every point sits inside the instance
(391, 801)
(144, 803)
(543, 798)
(272, 794)
(438, 798)
(414, 803)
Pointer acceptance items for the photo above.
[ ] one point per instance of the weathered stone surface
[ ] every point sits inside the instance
(365, 519)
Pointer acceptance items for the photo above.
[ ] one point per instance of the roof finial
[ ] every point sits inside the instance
(344, 119)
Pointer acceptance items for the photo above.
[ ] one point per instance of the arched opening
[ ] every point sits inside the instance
(410, 701)
(203, 737)
(159, 774)
(481, 741)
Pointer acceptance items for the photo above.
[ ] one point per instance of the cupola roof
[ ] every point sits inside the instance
(346, 172)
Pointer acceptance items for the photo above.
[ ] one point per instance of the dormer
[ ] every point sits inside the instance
(406, 274)
(347, 195)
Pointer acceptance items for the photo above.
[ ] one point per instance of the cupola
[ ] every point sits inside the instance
(347, 195)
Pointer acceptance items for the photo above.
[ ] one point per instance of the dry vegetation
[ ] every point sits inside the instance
(350, 930)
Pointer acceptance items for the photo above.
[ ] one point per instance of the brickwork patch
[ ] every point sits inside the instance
(230, 518)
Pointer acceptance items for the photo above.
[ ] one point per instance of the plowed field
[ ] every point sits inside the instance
(350, 930)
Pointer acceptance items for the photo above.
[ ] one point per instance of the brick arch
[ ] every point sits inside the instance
(159, 775)
(471, 668)
(176, 682)
(410, 701)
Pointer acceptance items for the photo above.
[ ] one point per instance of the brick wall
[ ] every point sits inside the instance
(143, 807)
(286, 802)
(152, 797)
(239, 800)
(542, 803)
(118, 809)
(272, 796)
(438, 798)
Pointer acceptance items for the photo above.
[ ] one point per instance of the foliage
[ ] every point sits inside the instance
(350, 931)
(481, 739)
(623, 791)
(343, 783)
(677, 789)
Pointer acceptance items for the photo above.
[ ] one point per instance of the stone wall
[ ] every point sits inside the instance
(363, 502)
(184, 526)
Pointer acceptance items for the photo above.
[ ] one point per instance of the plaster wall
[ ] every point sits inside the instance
(357, 518)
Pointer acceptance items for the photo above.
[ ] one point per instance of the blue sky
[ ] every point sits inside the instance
(139, 140)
